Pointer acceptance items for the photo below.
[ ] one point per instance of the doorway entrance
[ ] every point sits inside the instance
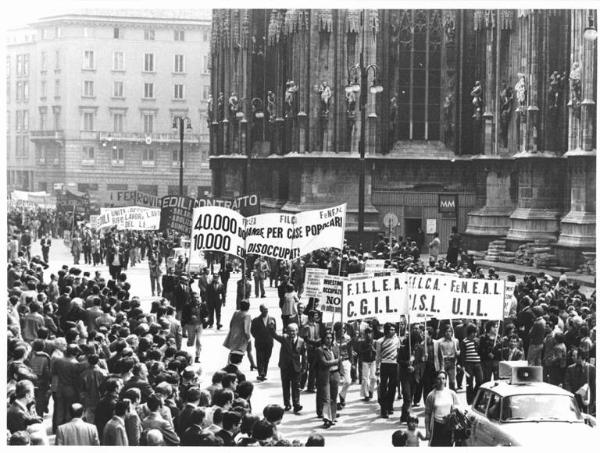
(410, 228)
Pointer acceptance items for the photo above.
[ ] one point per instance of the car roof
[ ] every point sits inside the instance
(504, 388)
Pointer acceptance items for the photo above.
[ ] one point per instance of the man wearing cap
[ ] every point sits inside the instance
(263, 341)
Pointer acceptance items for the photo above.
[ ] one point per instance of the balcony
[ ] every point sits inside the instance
(88, 135)
(135, 137)
(54, 135)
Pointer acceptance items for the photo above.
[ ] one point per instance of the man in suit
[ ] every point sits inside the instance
(181, 295)
(261, 270)
(19, 415)
(231, 426)
(139, 380)
(292, 362)
(192, 401)
(215, 299)
(194, 433)
(66, 373)
(263, 341)
(77, 432)
(114, 433)
(156, 421)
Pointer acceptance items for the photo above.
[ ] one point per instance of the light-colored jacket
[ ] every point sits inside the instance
(77, 432)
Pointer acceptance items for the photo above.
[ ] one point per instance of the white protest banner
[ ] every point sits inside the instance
(129, 218)
(331, 300)
(451, 297)
(380, 297)
(323, 228)
(313, 282)
(374, 265)
(510, 310)
(216, 229)
(272, 235)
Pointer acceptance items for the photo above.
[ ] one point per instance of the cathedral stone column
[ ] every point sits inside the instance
(579, 225)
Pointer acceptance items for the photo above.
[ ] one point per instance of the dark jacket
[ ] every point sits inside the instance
(18, 418)
(260, 332)
(215, 294)
(292, 356)
(227, 438)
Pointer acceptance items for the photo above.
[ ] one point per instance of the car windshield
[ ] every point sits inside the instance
(540, 408)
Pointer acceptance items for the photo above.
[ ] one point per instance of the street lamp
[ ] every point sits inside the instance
(181, 123)
(358, 76)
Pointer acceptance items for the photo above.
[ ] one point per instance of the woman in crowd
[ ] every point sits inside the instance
(439, 404)
(328, 379)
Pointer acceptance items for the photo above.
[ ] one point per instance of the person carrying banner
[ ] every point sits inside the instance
(261, 270)
(387, 368)
(215, 299)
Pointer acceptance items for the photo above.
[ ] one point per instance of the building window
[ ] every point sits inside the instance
(116, 187)
(43, 120)
(151, 189)
(40, 154)
(148, 62)
(19, 90)
(118, 122)
(179, 35)
(86, 32)
(43, 89)
(149, 35)
(148, 123)
(206, 63)
(118, 89)
(23, 65)
(205, 91)
(148, 156)
(116, 33)
(118, 64)
(44, 61)
(8, 66)
(19, 65)
(178, 63)
(25, 120)
(88, 121)
(88, 155)
(117, 157)
(205, 36)
(57, 88)
(26, 65)
(25, 91)
(178, 91)
(419, 75)
(88, 88)
(88, 59)
(57, 32)
(175, 157)
(149, 90)
(57, 60)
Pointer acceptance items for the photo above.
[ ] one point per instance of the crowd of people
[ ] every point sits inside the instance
(83, 351)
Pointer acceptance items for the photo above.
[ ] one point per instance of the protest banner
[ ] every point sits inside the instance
(381, 297)
(176, 214)
(331, 294)
(323, 228)
(247, 205)
(372, 265)
(118, 198)
(509, 291)
(272, 235)
(128, 218)
(72, 201)
(451, 297)
(216, 229)
(313, 282)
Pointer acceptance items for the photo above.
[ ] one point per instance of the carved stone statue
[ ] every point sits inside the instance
(209, 110)
(290, 99)
(271, 106)
(351, 104)
(506, 104)
(394, 108)
(234, 105)
(477, 95)
(447, 111)
(575, 86)
(450, 29)
(521, 91)
(554, 90)
(325, 95)
(221, 107)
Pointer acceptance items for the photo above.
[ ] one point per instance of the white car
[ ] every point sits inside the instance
(524, 411)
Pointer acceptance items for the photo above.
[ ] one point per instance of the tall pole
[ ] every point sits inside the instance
(361, 143)
(180, 125)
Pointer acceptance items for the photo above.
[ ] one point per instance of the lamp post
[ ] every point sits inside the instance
(358, 76)
(181, 123)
